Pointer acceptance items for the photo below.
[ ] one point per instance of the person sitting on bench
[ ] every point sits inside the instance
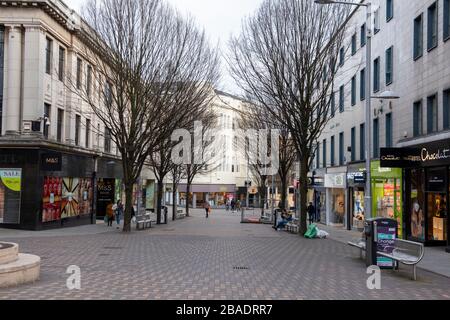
(285, 219)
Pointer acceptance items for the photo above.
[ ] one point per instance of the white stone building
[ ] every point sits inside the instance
(411, 57)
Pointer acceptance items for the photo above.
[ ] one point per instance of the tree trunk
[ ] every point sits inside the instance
(128, 206)
(284, 192)
(174, 201)
(188, 196)
(159, 201)
(303, 194)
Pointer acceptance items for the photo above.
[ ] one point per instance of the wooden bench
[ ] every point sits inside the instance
(406, 252)
(143, 222)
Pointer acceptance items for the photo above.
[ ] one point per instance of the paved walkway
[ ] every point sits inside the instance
(198, 258)
(435, 260)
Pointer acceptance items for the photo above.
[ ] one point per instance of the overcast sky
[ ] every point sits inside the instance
(220, 18)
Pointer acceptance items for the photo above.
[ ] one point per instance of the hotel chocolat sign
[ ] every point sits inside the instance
(51, 161)
(433, 154)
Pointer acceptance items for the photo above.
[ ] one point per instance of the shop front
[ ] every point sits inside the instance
(356, 182)
(45, 189)
(427, 189)
(215, 195)
(336, 192)
(319, 195)
(387, 194)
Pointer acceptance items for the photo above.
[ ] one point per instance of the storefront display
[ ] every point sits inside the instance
(356, 180)
(10, 195)
(105, 195)
(337, 207)
(387, 188)
(52, 199)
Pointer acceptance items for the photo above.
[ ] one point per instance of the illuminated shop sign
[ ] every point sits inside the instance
(433, 154)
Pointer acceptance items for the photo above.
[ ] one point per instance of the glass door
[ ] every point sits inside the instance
(437, 216)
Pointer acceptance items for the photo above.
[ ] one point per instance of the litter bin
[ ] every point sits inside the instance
(380, 236)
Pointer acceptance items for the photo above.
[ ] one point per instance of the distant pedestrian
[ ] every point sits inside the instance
(118, 212)
(233, 205)
(110, 214)
(311, 212)
(207, 209)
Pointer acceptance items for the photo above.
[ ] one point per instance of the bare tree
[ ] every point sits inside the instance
(149, 66)
(285, 61)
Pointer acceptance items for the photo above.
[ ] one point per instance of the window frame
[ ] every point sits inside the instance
(435, 115)
(389, 130)
(389, 67)
(342, 99)
(418, 52)
(446, 26)
(446, 108)
(363, 35)
(353, 144)
(60, 125)
(362, 141)
(376, 138)
(354, 44)
(79, 73)
(389, 9)
(418, 119)
(332, 152)
(435, 7)
(61, 63)
(353, 90)
(48, 55)
(341, 148)
(362, 84)
(377, 75)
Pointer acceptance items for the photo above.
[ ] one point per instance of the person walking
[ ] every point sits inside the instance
(311, 213)
(207, 209)
(119, 212)
(233, 206)
(110, 213)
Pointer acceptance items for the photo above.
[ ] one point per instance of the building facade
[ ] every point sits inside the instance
(411, 57)
(58, 164)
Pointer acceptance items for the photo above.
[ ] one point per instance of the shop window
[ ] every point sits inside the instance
(417, 208)
(10, 195)
(337, 206)
(437, 216)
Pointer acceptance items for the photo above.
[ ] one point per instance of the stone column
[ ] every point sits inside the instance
(11, 112)
(33, 72)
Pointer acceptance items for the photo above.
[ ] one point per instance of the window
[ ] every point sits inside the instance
(62, 58)
(376, 138)
(389, 10)
(47, 112)
(332, 151)
(333, 104)
(447, 109)
(2, 61)
(362, 142)
(88, 133)
(446, 20)
(376, 75)
(341, 57)
(353, 144)
(108, 94)
(77, 129)
(324, 153)
(418, 37)
(353, 90)
(389, 136)
(79, 72)
(318, 156)
(376, 21)
(363, 35)
(341, 99)
(432, 26)
(89, 81)
(362, 84)
(417, 119)
(354, 44)
(389, 66)
(341, 149)
(107, 140)
(432, 114)
(59, 129)
(48, 56)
